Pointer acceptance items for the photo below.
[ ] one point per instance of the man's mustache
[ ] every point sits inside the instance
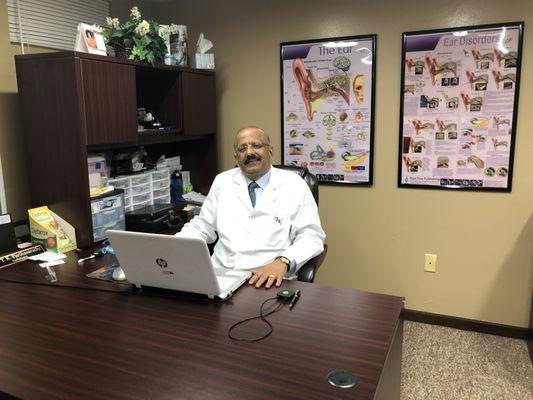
(251, 157)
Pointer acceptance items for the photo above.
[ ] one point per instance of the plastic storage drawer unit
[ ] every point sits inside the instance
(107, 213)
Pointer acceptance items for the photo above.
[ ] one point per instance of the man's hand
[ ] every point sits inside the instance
(268, 274)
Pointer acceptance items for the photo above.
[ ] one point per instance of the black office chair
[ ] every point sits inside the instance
(308, 270)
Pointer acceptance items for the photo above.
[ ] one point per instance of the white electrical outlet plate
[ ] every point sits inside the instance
(430, 263)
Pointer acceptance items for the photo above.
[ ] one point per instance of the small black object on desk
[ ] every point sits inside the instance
(154, 218)
(7, 233)
(342, 379)
(295, 298)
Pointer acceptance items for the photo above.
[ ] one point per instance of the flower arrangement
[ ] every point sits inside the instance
(138, 39)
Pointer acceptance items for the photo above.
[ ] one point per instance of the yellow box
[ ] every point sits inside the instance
(51, 231)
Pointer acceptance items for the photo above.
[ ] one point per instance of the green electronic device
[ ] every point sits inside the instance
(285, 295)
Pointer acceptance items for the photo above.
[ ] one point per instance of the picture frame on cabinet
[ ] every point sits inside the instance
(90, 40)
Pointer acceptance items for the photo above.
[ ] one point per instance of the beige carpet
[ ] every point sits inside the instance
(449, 364)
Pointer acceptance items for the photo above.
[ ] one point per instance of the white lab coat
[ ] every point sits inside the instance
(284, 221)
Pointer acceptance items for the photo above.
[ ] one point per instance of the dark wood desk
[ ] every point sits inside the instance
(71, 343)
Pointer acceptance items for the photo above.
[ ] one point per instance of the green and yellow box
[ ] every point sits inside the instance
(51, 231)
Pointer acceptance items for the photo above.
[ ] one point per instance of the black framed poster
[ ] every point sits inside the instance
(459, 100)
(327, 107)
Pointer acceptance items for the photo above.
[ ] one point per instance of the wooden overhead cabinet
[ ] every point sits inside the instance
(75, 103)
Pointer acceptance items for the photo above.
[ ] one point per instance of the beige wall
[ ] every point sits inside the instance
(378, 236)
(12, 144)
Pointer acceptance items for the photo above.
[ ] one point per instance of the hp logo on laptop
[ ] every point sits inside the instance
(161, 262)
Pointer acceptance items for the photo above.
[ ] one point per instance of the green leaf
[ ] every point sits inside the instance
(150, 47)
(129, 24)
(150, 57)
(137, 42)
(145, 41)
(137, 53)
(141, 41)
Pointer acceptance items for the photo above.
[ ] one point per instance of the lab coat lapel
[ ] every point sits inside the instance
(241, 189)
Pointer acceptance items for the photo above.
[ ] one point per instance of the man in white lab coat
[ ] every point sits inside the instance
(266, 218)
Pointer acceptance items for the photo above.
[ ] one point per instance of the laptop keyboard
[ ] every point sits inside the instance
(225, 283)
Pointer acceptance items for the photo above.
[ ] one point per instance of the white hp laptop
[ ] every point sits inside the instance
(171, 262)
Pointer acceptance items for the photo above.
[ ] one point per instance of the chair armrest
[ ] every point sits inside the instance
(308, 271)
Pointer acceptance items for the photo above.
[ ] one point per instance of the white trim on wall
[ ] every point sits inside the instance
(3, 203)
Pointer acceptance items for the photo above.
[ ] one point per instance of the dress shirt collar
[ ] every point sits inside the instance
(263, 181)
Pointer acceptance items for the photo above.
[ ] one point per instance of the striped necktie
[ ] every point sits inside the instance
(251, 191)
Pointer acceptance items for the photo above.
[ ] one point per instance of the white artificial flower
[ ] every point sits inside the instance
(163, 31)
(173, 29)
(135, 14)
(143, 28)
(112, 22)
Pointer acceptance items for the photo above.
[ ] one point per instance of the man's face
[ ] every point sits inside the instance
(253, 153)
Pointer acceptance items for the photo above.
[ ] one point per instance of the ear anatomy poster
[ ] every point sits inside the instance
(458, 107)
(327, 90)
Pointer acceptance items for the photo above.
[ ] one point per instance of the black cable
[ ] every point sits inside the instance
(262, 316)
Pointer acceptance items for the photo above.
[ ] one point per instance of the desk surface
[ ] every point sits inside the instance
(74, 343)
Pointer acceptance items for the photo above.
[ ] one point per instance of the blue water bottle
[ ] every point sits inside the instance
(176, 187)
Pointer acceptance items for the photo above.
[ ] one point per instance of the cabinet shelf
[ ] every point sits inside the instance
(145, 139)
(153, 138)
(154, 132)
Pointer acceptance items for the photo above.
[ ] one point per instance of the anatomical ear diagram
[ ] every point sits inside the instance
(471, 103)
(418, 145)
(473, 78)
(498, 121)
(480, 57)
(311, 89)
(358, 88)
(508, 59)
(452, 126)
(499, 77)
(419, 126)
(412, 165)
(435, 68)
(451, 102)
(498, 143)
(431, 102)
(410, 64)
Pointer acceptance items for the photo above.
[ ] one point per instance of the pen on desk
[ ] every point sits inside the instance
(52, 277)
(85, 259)
(294, 299)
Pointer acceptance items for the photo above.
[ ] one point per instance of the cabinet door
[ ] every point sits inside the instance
(199, 103)
(110, 102)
